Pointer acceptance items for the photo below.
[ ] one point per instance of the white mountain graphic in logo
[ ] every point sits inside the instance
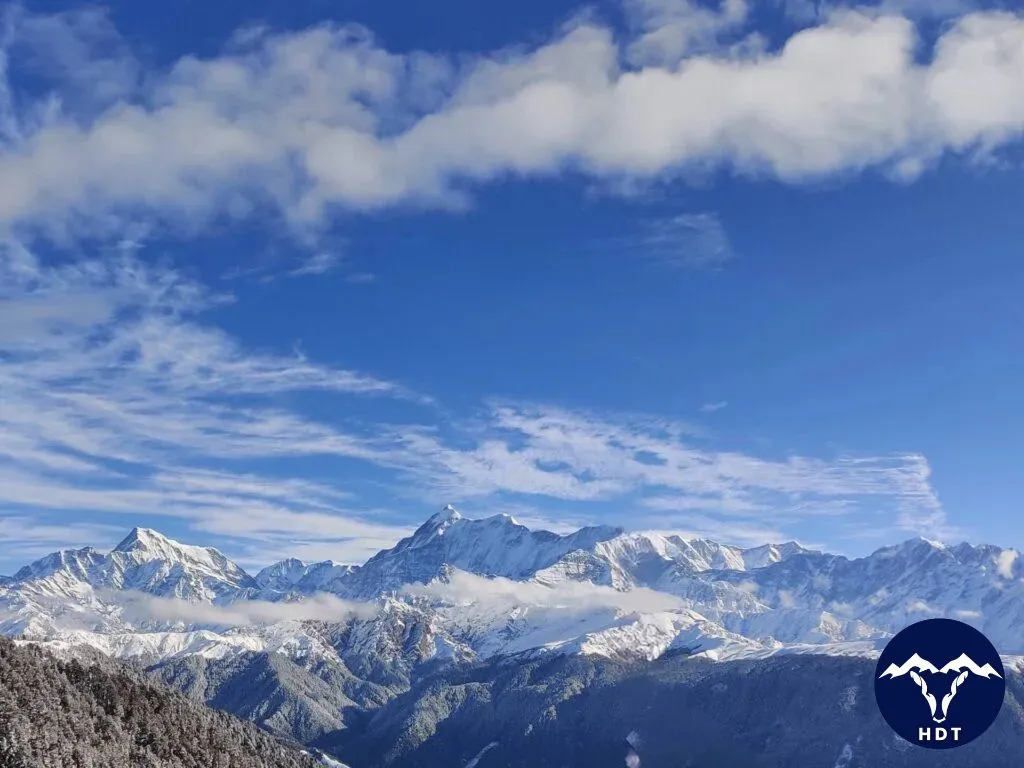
(915, 665)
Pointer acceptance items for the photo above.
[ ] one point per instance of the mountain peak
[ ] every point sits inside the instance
(282, 575)
(144, 539)
(442, 519)
(449, 513)
(145, 544)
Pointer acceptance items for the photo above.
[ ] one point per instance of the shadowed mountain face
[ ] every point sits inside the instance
(784, 712)
(277, 694)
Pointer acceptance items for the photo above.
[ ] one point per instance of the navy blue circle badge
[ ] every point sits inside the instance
(939, 683)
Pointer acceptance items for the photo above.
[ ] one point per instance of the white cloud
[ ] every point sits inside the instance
(140, 607)
(317, 264)
(1005, 561)
(27, 538)
(668, 30)
(62, 49)
(692, 240)
(919, 606)
(118, 399)
(463, 587)
(257, 520)
(726, 504)
(109, 360)
(305, 121)
(574, 456)
(713, 407)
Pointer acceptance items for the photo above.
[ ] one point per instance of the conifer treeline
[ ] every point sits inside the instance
(65, 714)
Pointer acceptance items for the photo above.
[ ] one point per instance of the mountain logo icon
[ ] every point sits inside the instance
(933, 706)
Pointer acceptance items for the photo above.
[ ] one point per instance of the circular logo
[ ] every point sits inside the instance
(939, 683)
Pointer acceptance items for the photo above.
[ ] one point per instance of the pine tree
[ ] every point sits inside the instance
(56, 714)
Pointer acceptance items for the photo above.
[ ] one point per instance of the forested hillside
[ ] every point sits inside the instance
(795, 711)
(56, 714)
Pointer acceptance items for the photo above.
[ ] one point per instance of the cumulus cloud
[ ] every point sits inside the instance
(302, 122)
(119, 396)
(140, 607)
(462, 587)
(668, 30)
(62, 48)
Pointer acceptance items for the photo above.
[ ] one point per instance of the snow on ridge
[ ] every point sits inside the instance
(709, 598)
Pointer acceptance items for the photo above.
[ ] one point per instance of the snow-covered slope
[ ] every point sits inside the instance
(898, 585)
(494, 546)
(146, 562)
(499, 588)
(628, 560)
(86, 590)
(293, 576)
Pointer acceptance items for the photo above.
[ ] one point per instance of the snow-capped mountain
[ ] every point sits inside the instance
(627, 560)
(293, 576)
(494, 546)
(298, 646)
(465, 589)
(898, 585)
(83, 590)
(144, 561)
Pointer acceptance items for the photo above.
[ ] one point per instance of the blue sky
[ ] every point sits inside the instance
(287, 281)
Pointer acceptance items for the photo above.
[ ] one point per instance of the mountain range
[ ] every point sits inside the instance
(324, 653)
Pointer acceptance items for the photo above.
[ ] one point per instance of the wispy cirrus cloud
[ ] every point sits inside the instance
(120, 397)
(26, 537)
(119, 400)
(110, 356)
(688, 240)
(257, 519)
(317, 264)
(551, 452)
(713, 407)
